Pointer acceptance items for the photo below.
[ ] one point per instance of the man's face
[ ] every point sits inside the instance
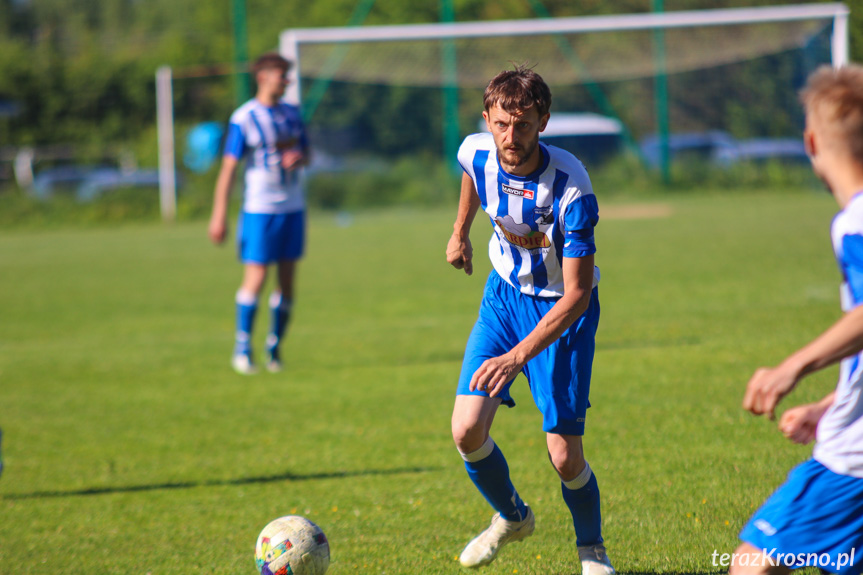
(273, 81)
(516, 136)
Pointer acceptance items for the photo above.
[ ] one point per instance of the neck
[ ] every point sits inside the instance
(845, 183)
(266, 99)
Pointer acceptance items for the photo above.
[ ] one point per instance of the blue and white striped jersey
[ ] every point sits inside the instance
(538, 220)
(839, 445)
(260, 134)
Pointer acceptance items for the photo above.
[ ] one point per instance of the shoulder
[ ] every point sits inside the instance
(478, 142)
(473, 145)
(242, 114)
(850, 219)
(570, 170)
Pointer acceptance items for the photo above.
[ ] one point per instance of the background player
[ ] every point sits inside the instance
(819, 509)
(538, 315)
(269, 134)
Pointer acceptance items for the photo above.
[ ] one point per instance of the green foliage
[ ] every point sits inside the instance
(408, 182)
(131, 447)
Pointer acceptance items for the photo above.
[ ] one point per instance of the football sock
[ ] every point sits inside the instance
(489, 471)
(247, 305)
(280, 316)
(582, 497)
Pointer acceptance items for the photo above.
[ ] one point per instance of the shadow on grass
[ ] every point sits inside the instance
(216, 483)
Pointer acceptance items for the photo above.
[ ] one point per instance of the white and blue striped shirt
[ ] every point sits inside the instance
(260, 134)
(538, 219)
(839, 445)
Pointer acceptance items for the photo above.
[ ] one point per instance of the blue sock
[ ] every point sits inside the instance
(488, 470)
(280, 316)
(247, 305)
(582, 497)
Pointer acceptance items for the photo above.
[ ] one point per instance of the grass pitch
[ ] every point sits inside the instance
(131, 447)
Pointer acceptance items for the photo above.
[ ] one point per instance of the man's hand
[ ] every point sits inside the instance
(292, 159)
(766, 389)
(496, 372)
(218, 230)
(459, 253)
(800, 423)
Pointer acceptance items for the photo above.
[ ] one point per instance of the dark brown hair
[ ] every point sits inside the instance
(270, 60)
(518, 91)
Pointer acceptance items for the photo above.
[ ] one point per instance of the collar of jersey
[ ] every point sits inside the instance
(532, 177)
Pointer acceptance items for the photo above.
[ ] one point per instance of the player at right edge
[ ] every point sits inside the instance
(538, 315)
(816, 517)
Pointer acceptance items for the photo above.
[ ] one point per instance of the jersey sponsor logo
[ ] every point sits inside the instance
(521, 235)
(543, 215)
(526, 194)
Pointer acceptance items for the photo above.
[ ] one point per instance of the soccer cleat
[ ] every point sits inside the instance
(274, 363)
(484, 547)
(594, 560)
(242, 364)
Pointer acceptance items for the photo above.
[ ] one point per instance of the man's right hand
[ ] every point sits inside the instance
(218, 230)
(459, 253)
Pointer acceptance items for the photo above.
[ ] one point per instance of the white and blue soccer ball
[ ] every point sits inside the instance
(292, 545)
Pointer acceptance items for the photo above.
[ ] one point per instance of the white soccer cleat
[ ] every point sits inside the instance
(274, 363)
(243, 365)
(484, 547)
(594, 560)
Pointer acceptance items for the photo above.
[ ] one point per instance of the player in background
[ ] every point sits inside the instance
(269, 134)
(538, 315)
(819, 509)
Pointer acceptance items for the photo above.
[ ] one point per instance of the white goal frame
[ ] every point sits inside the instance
(290, 40)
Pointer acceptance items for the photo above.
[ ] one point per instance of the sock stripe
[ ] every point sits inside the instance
(480, 453)
(581, 479)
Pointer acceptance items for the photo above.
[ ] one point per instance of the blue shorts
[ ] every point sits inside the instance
(559, 377)
(270, 238)
(814, 517)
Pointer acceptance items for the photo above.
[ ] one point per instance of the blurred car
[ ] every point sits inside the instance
(87, 183)
(713, 146)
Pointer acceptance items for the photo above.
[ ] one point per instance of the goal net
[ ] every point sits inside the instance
(417, 88)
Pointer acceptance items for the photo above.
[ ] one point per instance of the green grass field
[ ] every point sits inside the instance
(132, 448)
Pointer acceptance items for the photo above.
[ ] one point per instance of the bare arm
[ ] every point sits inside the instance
(459, 252)
(494, 373)
(218, 229)
(769, 385)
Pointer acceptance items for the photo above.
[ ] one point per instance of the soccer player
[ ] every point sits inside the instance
(816, 516)
(538, 315)
(269, 134)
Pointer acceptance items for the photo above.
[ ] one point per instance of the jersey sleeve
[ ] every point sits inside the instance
(579, 218)
(467, 153)
(235, 141)
(852, 250)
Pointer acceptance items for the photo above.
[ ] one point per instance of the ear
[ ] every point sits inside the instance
(487, 120)
(809, 143)
(543, 122)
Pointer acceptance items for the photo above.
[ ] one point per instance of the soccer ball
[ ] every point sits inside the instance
(292, 545)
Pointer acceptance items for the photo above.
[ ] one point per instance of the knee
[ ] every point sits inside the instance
(468, 435)
(567, 462)
(749, 560)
